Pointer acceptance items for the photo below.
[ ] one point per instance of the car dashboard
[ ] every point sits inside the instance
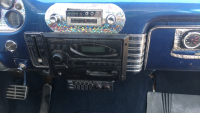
(93, 44)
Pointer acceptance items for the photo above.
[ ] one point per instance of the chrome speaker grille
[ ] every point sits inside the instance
(17, 92)
(136, 52)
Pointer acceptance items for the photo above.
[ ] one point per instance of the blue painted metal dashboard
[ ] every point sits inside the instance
(140, 18)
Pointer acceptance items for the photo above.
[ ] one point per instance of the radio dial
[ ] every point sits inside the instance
(55, 18)
(107, 86)
(111, 19)
(98, 86)
(57, 57)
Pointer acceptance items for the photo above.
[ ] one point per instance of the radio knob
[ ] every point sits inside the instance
(107, 86)
(98, 86)
(57, 57)
(111, 19)
(55, 18)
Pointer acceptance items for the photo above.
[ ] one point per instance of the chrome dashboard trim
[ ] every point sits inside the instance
(103, 27)
(135, 60)
(4, 28)
(163, 27)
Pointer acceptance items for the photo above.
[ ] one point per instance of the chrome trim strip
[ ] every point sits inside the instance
(136, 48)
(136, 42)
(137, 55)
(138, 70)
(137, 35)
(185, 56)
(134, 66)
(163, 27)
(137, 59)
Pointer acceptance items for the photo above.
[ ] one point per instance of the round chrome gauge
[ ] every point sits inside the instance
(13, 19)
(6, 4)
(192, 40)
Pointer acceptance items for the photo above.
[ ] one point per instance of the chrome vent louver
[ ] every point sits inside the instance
(136, 52)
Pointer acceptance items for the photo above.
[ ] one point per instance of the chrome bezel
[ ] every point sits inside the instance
(12, 5)
(4, 27)
(7, 22)
(101, 27)
(188, 27)
(184, 39)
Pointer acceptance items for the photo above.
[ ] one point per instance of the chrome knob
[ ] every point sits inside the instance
(21, 68)
(59, 73)
(107, 86)
(10, 46)
(55, 18)
(111, 19)
(57, 57)
(98, 86)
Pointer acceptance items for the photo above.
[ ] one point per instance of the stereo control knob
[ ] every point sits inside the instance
(55, 18)
(98, 86)
(57, 57)
(107, 86)
(111, 19)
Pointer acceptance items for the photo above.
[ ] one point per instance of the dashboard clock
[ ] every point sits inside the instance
(192, 40)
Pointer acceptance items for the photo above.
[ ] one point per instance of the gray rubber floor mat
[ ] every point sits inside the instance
(172, 103)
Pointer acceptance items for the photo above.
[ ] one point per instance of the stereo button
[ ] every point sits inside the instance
(58, 47)
(91, 13)
(52, 46)
(107, 86)
(98, 86)
(86, 87)
(114, 72)
(78, 87)
(82, 87)
(64, 47)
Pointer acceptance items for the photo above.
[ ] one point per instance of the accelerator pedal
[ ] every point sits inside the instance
(18, 92)
(46, 98)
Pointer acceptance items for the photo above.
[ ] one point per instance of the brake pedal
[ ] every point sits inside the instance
(19, 92)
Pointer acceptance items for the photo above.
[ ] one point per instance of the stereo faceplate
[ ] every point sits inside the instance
(97, 18)
(86, 56)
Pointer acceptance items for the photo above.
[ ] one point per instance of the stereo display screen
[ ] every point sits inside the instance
(96, 49)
